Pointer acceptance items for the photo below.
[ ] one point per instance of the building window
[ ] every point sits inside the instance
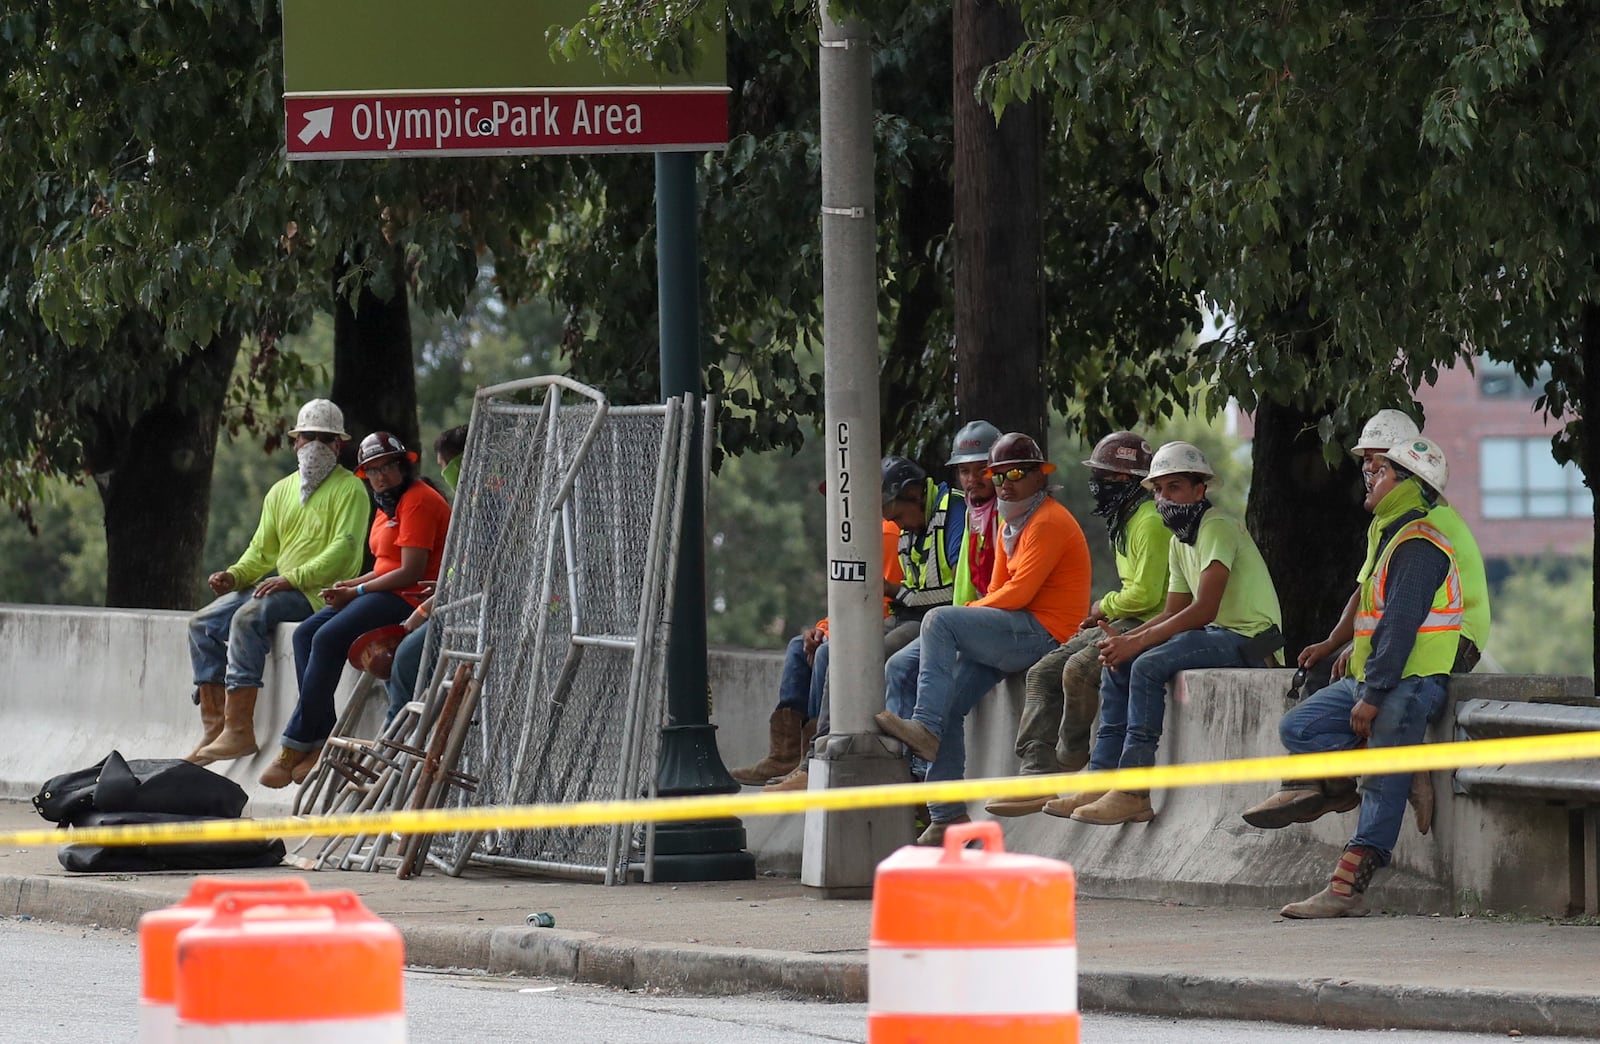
(1519, 478)
(1497, 380)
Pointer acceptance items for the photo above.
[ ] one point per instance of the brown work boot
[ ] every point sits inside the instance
(934, 835)
(1302, 801)
(784, 750)
(799, 779)
(1116, 807)
(1345, 894)
(1421, 800)
(238, 737)
(290, 766)
(1063, 806)
(213, 699)
(915, 735)
(1018, 806)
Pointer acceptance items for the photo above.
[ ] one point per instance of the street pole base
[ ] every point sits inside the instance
(842, 849)
(701, 849)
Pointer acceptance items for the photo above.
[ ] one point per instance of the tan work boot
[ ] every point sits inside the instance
(1303, 801)
(1063, 806)
(1421, 800)
(799, 779)
(1019, 806)
(1116, 807)
(915, 735)
(934, 835)
(1345, 894)
(290, 766)
(783, 750)
(238, 737)
(213, 699)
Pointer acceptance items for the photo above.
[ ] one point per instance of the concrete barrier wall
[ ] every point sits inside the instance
(78, 683)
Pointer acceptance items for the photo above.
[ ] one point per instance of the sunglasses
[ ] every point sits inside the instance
(1016, 474)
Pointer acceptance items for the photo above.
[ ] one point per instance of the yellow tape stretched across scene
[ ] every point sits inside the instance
(1513, 751)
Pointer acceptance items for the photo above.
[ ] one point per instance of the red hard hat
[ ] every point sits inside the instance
(373, 652)
(1015, 447)
(380, 445)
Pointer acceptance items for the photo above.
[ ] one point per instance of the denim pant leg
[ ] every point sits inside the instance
(900, 679)
(1005, 639)
(1112, 735)
(208, 638)
(818, 690)
(251, 630)
(972, 680)
(794, 685)
(1402, 721)
(321, 645)
(1150, 672)
(1321, 722)
(402, 684)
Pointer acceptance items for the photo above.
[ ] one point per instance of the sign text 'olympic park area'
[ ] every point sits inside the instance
(376, 78)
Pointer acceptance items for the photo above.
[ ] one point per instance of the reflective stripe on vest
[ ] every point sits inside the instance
(914, 553)
(1440, 633)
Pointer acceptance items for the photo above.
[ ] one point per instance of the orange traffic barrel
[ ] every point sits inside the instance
(975, 945)
(316, 969)
(158, 946)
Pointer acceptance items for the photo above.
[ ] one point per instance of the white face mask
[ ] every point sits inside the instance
(317, 460)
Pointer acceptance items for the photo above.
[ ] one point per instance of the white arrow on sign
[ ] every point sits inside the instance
(319, 122)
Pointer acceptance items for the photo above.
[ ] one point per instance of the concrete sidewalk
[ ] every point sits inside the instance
(771, 935)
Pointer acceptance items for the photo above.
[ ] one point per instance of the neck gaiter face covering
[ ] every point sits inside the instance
(316, 461)
(1183, 519)
(1115, 502)
(389, 499)
(1015, 514)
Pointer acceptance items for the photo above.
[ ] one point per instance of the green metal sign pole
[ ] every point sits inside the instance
(710, 849)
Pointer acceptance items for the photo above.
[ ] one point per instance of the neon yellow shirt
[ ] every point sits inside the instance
(1249, 602)
(311, 545)
(1142, 569)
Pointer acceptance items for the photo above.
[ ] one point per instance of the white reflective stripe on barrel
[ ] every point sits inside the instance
(380, 1029)
(1039, 980)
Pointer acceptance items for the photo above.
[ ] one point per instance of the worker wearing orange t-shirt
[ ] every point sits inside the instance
(1037, 596)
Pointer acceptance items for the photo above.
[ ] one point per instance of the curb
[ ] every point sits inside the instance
(699, 970)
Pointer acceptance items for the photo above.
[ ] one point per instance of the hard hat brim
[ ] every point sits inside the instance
(361, 469)
(297, 432)
(365, 651)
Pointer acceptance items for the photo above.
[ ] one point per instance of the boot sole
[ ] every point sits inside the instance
(1137, 817)
(1016, 809)
(1359, 912)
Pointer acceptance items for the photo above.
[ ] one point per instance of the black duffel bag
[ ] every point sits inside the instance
(139, 859)
(115, 784)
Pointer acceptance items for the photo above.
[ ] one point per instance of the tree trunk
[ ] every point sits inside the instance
(1589, 445)
(154, 479)
(911, 365)
(999, 282)
(374, 373)
(1307, 519)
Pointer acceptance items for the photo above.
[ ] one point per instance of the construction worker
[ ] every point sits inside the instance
(928, 520)
(1221, 611)
(309, 536)
(407, 543)
(1063, 689)
(1037, 595)
(1326, 661)
(1407, 627)
(970, 457)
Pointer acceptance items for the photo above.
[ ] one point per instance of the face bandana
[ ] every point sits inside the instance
(1183, 519)
(1015, 514)
(317, 460)
(1114, 502)
(389, 499)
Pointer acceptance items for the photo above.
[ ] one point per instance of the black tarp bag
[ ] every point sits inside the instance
(115, 784)
(138, 859)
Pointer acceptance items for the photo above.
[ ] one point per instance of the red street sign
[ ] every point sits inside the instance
(506, 123)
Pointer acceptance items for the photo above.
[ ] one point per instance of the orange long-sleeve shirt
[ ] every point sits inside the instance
(1049, 574)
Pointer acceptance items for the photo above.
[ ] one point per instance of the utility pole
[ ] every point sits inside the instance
(842, 849)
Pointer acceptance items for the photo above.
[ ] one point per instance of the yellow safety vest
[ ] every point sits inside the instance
(1435, 648)
(915, 554)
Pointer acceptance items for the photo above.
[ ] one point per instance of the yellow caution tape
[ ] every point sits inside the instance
(1429, 757)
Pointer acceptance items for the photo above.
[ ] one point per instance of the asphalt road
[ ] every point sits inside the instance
(69, 984)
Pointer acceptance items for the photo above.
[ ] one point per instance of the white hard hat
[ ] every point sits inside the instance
(1386, 428)
(320, 415)
(1423, 458)
(1178, 458)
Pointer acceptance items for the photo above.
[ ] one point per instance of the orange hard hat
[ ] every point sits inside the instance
(373, 652)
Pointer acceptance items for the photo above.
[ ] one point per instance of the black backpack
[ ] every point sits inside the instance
(144, 785)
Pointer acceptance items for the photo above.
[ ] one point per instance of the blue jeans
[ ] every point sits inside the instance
(229, 639)
(321, 647)
(962, 653)
(800, 687)
(1322, 723)
(1133, 697)
(402, 684)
